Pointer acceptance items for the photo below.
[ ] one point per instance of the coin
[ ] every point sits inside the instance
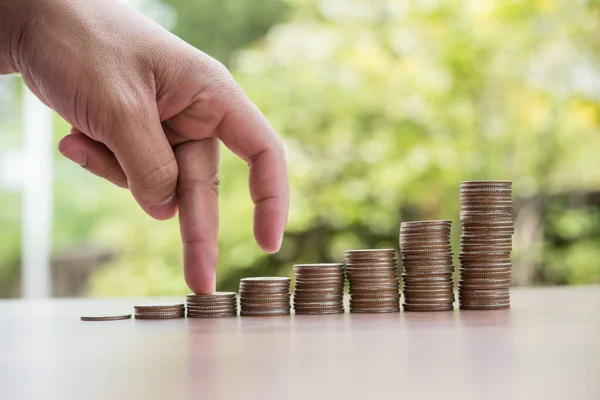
(484, 307)
(159, 307)
(159, 316)
(265, 313)
(374, 310)
(105, 317)
(212, 315)
(211, 296)
(428, 307)
(319, 312)
(271, 280)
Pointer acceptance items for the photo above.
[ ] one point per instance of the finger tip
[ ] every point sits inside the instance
(270, 245)
(269, 227)
(199, 269)
(200, 286)
(200, 283)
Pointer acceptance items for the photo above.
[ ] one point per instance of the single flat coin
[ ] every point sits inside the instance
(502, 182)
(168, 316)
(105, 317)
(374, 310)
(429, 301)
(265, 306)
(212, 315)
(425, 278)
(319, 312)
(275, 303)
(212, 305)
(319, 266)
(159, 313)
(159, 307)
(211, 310)
(266, 279)
(428, 308)
(211, 295)
(428, 222)
(264, 313)
(484, 307)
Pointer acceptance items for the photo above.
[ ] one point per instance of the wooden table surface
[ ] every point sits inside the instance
(547, 346)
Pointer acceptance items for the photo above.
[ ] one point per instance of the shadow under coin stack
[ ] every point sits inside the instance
(264, 297)
(319, 289)
(373, 278)
(486, 245)
(428, 267)
(214, 305)
(159, 311)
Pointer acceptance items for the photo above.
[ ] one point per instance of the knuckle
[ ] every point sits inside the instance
(193, 185)
(124, 102)
(218, 70)
(222, 83)
(120, 107)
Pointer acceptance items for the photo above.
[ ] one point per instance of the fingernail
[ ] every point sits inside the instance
(166, 205)
(76, 156)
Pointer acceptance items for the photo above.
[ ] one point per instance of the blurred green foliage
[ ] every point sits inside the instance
(384, 107)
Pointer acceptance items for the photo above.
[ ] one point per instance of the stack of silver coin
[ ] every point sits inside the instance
(159, 311)
(373, 280)
(319, 289)
(428, 266)
(263, 297)
(214, 305)
(486, 245)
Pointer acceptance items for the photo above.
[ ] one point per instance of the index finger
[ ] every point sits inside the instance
(197, 192)
(247, 133)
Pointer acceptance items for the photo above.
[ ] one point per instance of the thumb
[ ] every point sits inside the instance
(144, 153)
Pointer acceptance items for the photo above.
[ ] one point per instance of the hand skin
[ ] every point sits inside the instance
(147, 112)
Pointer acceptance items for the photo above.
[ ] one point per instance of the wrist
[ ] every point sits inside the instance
(14, 20)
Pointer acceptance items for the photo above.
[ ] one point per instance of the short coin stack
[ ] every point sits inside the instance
(263, 297)
(319, 289)
(159, 311)
(427, 260)
(486, 245)
(373, 278)
(214, 305)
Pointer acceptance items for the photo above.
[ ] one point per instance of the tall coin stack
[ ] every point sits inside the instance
(486, 245)
(373, 278)
(428, 267)
(319, 289)
(214, 305)
(263, 297)
(159, 311)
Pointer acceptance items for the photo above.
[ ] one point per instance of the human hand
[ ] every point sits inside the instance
(148, 112)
